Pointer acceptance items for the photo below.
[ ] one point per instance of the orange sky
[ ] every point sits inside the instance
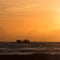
(37, 20)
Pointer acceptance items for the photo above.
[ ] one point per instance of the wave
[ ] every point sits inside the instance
(31, 48)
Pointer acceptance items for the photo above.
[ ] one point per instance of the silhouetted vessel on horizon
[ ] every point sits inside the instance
(24, 41)
(18, 41)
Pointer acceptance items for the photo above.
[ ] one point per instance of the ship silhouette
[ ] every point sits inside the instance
(24, 41)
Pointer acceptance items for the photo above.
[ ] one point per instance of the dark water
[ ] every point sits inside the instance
(11, 48)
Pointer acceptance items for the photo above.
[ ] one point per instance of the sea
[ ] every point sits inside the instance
(13, 48)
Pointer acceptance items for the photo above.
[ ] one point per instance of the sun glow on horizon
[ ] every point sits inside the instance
(38, 20)
(57, 18)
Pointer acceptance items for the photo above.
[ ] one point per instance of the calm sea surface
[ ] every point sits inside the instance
(11, 48)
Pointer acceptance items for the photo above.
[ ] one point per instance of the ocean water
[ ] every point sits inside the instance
(12, 48)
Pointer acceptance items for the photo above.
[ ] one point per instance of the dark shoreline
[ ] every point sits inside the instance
(31, 57)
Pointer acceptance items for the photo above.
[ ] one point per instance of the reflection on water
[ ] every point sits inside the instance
(29, 48)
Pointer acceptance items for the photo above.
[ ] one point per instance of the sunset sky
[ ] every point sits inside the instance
(37, 20)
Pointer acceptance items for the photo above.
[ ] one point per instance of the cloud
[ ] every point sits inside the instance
(26, 5)
(16, 9)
